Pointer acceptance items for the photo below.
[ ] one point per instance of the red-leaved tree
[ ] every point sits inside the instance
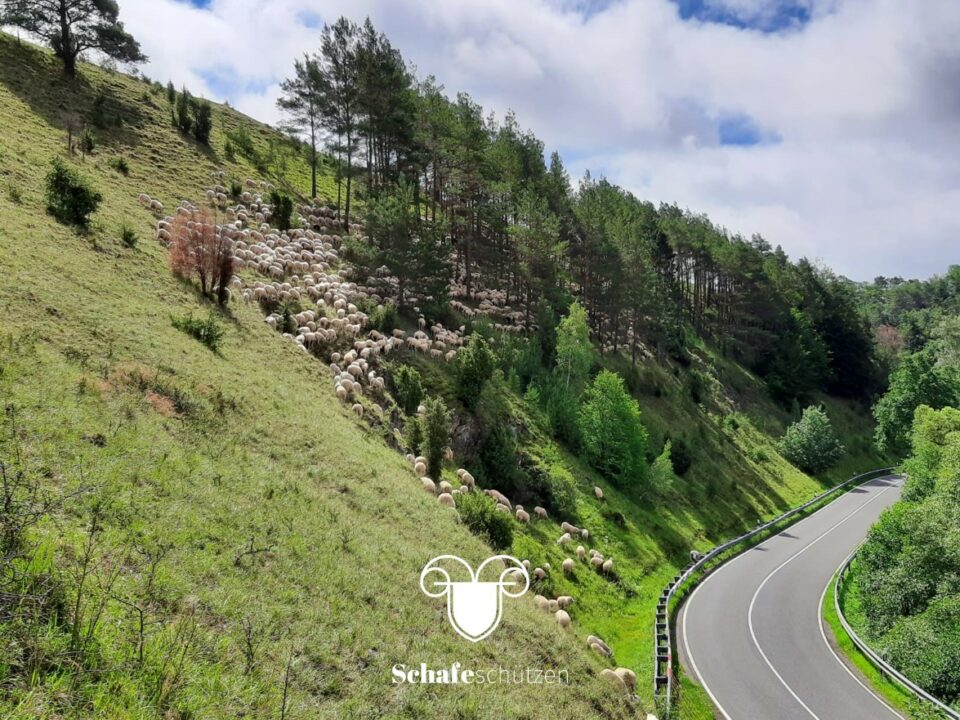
(200, 249)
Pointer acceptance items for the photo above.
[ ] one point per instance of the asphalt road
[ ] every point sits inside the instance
(752, 636)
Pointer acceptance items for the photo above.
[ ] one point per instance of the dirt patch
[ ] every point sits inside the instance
(162, 404)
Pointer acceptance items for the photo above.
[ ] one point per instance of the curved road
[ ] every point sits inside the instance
(751, 633)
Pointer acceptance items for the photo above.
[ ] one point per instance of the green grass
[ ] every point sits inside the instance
(293, 530)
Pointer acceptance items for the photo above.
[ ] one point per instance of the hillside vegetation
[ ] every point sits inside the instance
(213, 534)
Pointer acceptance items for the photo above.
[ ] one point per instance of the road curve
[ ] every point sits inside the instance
(751, 634)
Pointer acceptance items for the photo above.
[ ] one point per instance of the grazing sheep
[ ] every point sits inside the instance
(581, 553)
(523, 516)
(567, 527)
(526, 564)
(503, 508)
(564, 601)
(540, 512)
(602, 647)
(445, 487)
(341, 393)
(553, 606)
(695, 556)
(607, 566)
(429, 485)
(539, 573)
(628, 677)
(563, 619)
(358, 409)
(596, 561)
(420, 469)
(613, 677)
(446, 499)
(598, 493)
(585, 534)
(564, 539)
(568, 565)
(541, 602)
(467, 479)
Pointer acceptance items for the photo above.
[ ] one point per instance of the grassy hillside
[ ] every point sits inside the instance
(263, 533)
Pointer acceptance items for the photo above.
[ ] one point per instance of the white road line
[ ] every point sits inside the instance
(686, 643)
(833, 652)
(786, 562)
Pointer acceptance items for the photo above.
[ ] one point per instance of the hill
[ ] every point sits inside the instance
(218, 532)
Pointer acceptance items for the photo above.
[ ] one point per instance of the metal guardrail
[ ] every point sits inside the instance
(882, 665)
(663, 651)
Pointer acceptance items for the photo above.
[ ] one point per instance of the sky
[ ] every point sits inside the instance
(830, 127)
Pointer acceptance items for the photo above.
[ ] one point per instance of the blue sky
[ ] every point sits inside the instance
(825, 125)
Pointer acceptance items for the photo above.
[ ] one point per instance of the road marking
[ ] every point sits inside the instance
(833, 652)
(689, 604)
(782, 565)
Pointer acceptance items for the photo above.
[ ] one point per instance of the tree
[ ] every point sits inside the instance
(301, 102)
(916, 381)
(200, 250)
(614, 439)
(811, 443)
(182, 118)
(407, 388)
(202, 121)
(475, 365)
(575, 353)
(70, 199)
(282, 206)
(435, 422)
(72, 26)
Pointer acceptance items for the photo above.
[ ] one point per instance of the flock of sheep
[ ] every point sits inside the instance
(304, 265)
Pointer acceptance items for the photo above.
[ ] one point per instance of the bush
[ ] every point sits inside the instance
(128, 236)
(436, 433)
(202, 121)
(562, 490)
(87, 142)
(181, 113)
(383, 318)
(229, 152)
(407, 388)
(98, 113)
(14, 193)
(171, 93)
(479, 513)
(475, 365)
(282, 209)
(236, 189)
(70, 199)
(208, 331)
(413, 431)
(614, 439)
(811, 443)
(121, 165)
(680, 456)
(661, 472)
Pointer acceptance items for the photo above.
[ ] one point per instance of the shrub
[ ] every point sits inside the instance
(87, 142)
(202, 121)
(208, 331)
(199, 250)
(436, 433)
(407, 388)
(680, 456)
(181, 112)
(661, 472)
(811, 443)
(475, 365)
(14, 193)
(282, 209)
(70, 199)
(121, 165)
(128, 236)
(236, 189)
(98, 113)
(229, 152)
(171, 93)
(413, 431)
(614, 439)
(562, 491)
(383, 318)
(479, 513)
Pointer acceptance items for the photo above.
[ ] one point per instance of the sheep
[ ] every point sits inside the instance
(596, 561)
(564, 601)
(695, 557)
(613, 677)
(598, 493)
(553, 605)
(341, 393)
(585, 534)
(539, 573)
(420, 469)
(467, 479)
(526, 564)
(446, 499)
(568, 528)
(429, 485)
(564, 539)
(563, 619)
(523, 516)
(445, 487)
(607, 566)
(358, 409)
(503, 508)
(540, 512)
(581, 553)
(628, 677)
(568, 565)
(541, 602)
(601, 648)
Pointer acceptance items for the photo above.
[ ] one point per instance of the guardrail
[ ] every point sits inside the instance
(663, 650)
(878, 662)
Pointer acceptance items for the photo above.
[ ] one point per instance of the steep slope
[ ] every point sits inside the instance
(294, 531)
(285, 532)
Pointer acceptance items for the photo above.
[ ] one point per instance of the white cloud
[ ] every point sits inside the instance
(863, 97)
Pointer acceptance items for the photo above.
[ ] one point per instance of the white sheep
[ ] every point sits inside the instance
(429, 485)
(581, 552)
(568, 565)
(585, 534)
(539, 573)
(607, 566)
(563, 619)
(446, 499)
(540, 512)
(358, 410)
(564, 601)
(564, 539)
(567, 527)
(613, 677)
(602, 647)
(628, 677)
(541, 602)
(523, 516)
(420, 469)
(598, 493)
(445, 487)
